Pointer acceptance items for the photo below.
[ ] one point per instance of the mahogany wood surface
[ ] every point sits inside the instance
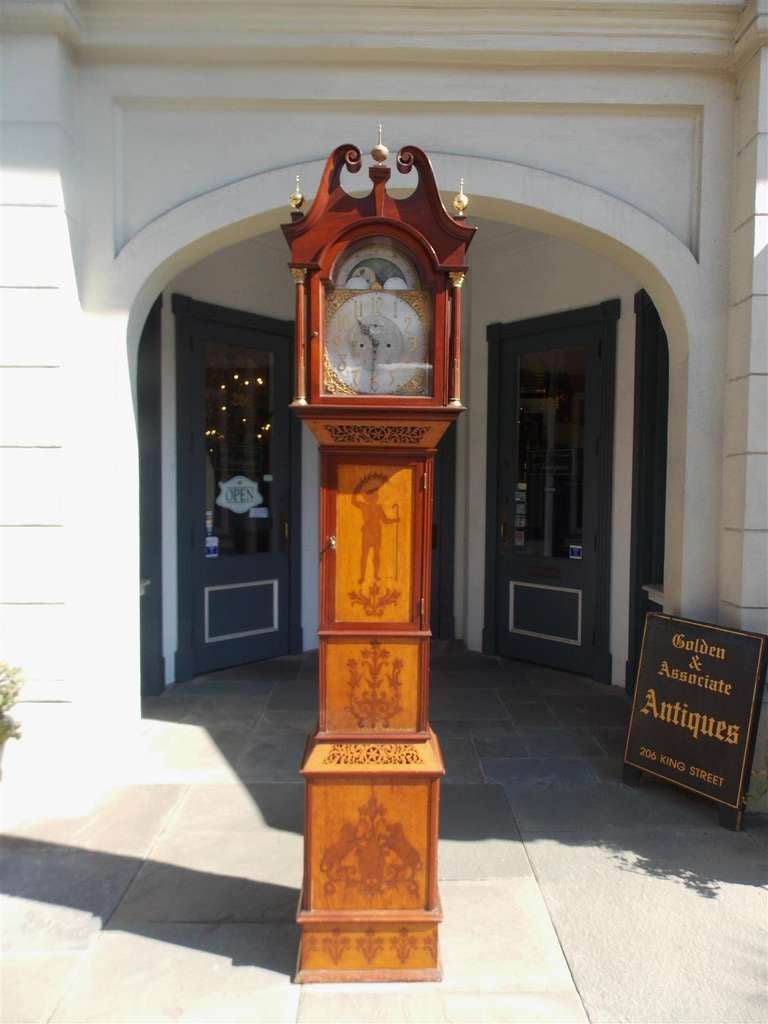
(369, 907)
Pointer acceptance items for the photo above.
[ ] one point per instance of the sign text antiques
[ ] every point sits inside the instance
(696, 705)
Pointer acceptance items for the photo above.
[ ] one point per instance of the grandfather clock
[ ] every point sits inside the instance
(378, 321)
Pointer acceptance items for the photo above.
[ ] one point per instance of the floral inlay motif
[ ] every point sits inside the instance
(403, 944)
(430, 944)
(371, 856)
(374, 700)
(335, 945)
(369, 945)
(376, 599)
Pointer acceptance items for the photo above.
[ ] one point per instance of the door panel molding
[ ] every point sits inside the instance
(603, 318)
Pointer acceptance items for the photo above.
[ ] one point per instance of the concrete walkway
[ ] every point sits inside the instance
(170, 895)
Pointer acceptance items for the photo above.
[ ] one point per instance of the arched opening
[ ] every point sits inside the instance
(544, 274)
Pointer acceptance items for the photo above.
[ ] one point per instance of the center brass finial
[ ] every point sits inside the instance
(379, 151)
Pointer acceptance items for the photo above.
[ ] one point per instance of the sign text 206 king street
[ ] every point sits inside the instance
(695, 706)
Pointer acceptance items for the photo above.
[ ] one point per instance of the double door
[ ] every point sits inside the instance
(236, 515)
(553, 405)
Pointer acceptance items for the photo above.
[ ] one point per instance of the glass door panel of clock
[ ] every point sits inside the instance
(549, 424)
(377, 325)
(234, 529)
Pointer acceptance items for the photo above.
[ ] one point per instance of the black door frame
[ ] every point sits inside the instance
(149, 405)
(603, 318)
(187, 312)
(649, 472)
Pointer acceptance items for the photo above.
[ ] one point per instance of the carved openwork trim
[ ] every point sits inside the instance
(373, 753)
(369, 433)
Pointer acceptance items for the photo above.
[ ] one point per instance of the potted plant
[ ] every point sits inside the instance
(10, 685)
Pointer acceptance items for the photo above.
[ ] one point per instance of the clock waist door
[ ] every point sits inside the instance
(374, 635)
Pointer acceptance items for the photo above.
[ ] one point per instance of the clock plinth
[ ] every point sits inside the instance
(378, 323)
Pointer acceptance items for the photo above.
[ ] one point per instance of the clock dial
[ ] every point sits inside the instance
(377, 325)
(377, 343)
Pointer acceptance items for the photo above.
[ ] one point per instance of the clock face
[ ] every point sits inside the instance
(377, 326)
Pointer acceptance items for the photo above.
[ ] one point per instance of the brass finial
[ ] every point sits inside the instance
(379, 151)
(460, 201)
(296, 198)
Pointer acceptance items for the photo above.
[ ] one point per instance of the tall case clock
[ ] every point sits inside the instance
(378, 322)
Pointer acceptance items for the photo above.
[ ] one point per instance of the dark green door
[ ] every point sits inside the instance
(234, 389)
(553, 492)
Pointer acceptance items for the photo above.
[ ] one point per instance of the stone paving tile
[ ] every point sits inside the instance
(274, 722)
(612, 739)
(756, 826)
(464, 662)
(170, 752)
(297, 696)
(542, 772)
(501, 746)
(532, 714)
(124, 821)
(549, 810)
(33, 985)
(482, 728)
(274, 669)
(459, 703)
(498, 935)
(187, 972)
(685, 939)
(257, 687)
(220, 709)
(271, 758)
(559, 742)
(513, 1007)
(478, 835)
(201, 876)
(608, 710)
(235, 808)
(325, 1004)
(461, 761)
(56, 898)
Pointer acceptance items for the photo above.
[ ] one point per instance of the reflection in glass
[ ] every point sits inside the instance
(548, 513)
(238, 443)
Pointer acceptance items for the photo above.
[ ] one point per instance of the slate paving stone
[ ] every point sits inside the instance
(461, 761)
(469, 728)
(274, 722)
(204, 685)
(220, 709)
(563, 684)
(537, 713)
(250, 808)
(478, 835)
(274, 669)
(459, 703)
(612, 739)
(561, 772)
(55, 898)
(501, 746)
(559, 742)
(608, 710)
(300, 696)
(272, 758)
(204, 973)
(205, 875)
(550, 810)
(756, 826)
(465, 662)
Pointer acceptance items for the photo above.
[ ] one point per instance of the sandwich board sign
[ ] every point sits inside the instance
(696, 708)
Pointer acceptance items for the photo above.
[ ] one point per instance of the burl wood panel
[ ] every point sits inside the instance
(370, 685)
(369, 844)
(369, 947)
(374, 542)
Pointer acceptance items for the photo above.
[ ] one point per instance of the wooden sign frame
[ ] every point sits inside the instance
(684, 681)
